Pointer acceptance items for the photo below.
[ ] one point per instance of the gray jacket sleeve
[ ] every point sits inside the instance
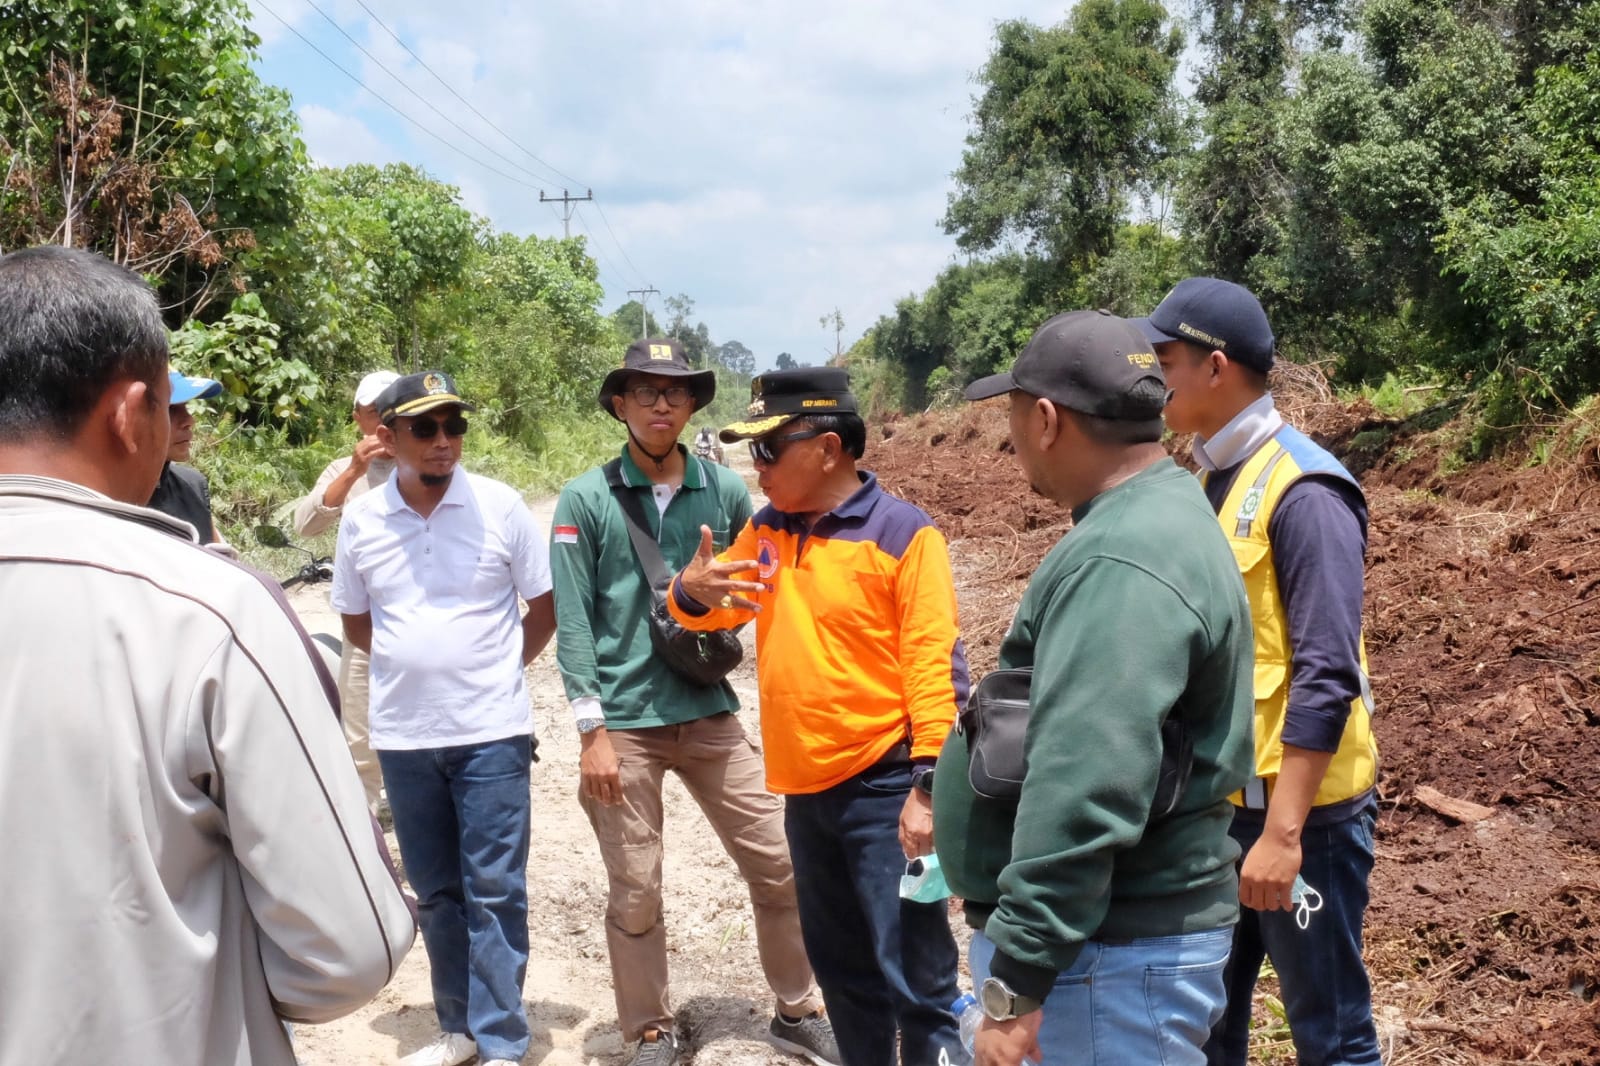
(332, 925)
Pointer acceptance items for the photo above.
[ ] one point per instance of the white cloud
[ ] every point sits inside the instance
(772, 161)
(335, 139)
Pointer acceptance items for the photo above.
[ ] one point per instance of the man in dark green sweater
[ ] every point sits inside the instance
(1136, 616)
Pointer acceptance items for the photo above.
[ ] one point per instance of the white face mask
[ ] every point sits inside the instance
(923, 881)
(1306, 900)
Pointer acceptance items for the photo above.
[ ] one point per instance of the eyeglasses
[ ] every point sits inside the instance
(767, 450)
(646, 395)
(426, 428)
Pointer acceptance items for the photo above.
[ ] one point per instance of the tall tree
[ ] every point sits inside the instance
(737, 358)
(138, 128)
(428, 241)
(1073, 122)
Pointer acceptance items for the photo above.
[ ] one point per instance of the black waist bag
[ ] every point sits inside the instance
(702, 659)
(995, 724)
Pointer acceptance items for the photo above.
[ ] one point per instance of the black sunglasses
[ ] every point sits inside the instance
(425, 428)
(646, 395)
(767, 450)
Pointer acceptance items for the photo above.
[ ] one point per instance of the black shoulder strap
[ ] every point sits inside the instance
(645, 547)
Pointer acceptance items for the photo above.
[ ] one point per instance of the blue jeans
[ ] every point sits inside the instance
(883, 963)
(461, 815)
(1148, 1001)
(1321, 978)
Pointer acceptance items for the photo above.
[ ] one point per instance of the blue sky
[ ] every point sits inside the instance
(773, 161)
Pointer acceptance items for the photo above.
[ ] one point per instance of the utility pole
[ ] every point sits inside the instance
(643, 295)
(566, 203)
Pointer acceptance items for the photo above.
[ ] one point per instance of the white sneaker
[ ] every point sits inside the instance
(447, 1049)
(497, 1062)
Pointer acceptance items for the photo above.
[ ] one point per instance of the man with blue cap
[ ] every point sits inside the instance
(1297, 522)
(183, 491)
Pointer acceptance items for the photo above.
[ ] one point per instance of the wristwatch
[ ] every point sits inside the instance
(922, 779)
(1002, 1004)
(589, 725)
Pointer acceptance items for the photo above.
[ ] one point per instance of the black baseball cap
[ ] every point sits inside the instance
(1215, 314)
(784, 395)
(658, 355)
(416, 393)
(1090, 361)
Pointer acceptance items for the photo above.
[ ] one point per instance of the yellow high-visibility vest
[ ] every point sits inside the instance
(1245, 515)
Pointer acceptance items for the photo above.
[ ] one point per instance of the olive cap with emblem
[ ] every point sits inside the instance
(417, 393)
(1218, 315)
(657, 355)
(1090, 361)
(781, 396)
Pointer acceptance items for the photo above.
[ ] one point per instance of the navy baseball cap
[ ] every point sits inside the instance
(1215, 314)
(1090, 361)
(417, 393)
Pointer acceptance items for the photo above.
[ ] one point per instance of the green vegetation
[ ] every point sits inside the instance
(140, 129)
(1411, 186)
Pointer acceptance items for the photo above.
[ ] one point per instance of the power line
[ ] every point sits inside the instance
(600, 253)
(613, 233)
(567, 207)
(594, 242)
(463, 99)
(377, 96)
(644, 298)
(424, 100)
(615, 240)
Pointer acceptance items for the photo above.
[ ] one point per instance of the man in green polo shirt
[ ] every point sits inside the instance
(637, 719)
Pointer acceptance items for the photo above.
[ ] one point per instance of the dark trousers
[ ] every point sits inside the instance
(885, 964)
(461, 816)
(1321, 977)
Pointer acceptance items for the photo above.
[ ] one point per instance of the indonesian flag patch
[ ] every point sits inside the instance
(565, 534)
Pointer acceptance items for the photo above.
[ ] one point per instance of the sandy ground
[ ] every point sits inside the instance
(718, 990)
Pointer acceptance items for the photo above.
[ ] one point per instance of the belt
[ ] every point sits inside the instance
(899, 755)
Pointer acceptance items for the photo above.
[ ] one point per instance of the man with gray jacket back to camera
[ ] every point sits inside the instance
(188, 864)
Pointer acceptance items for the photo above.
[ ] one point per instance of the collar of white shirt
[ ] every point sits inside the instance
(1244, 433)
(456, 493)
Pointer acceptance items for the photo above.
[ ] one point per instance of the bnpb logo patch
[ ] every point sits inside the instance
(766, 557)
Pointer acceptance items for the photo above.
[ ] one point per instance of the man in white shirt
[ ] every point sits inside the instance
(426, 575)
(187, 861)
(342, 481)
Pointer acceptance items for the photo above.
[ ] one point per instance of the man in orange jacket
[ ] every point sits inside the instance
(861, 672)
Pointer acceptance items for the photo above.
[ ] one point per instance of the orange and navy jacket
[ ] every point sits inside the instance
(857, 647)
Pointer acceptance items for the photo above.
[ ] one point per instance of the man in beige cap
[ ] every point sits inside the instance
(345, 479)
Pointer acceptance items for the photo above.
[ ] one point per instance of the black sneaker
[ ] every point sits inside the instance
(811, 1036)
(658, 1048)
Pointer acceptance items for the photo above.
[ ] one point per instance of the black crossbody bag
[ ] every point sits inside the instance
(702, 659)
(995, 723)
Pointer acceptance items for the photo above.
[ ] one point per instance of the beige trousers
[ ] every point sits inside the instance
(353, 663)
(722, 770)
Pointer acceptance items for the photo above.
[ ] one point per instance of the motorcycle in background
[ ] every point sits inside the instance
(706, 445)
(316, 570)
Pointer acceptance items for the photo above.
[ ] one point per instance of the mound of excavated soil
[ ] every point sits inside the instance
(1483, 627)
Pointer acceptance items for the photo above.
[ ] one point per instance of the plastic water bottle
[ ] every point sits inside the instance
(969, 1016)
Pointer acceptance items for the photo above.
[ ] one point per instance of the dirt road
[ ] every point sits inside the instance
(717, 986)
